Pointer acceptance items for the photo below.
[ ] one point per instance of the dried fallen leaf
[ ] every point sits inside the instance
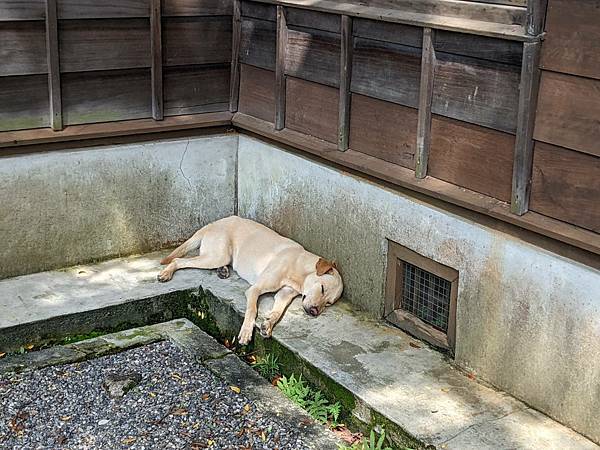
(28, 346)
(61, 439)
(128, 441)
(205, 397)
(2, 354)
(263, 436)
(65, 418)
(179, 412)
(152, 394)
(210, 442)
(445, 389)
(235, 389)
(275, 380)
(247, 408)
(471, 376)
(414, 344)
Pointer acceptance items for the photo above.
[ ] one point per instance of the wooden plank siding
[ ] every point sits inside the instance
(22, 48)
(471, 156)
(257, 92)
(13, 10)
(384, 130)
(569, 112)
(196, 89)
(24, 102)
(106, 96)
(312, 109)
(572, 36)
(566, 185)
(258, 42)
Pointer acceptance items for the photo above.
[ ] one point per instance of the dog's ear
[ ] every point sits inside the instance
(324, 266)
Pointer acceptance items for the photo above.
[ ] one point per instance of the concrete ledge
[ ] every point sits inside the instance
(413, 390)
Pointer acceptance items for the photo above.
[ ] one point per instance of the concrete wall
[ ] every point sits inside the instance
(528, 321)
(62, 208)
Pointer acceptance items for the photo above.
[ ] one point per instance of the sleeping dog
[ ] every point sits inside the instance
(266, 260)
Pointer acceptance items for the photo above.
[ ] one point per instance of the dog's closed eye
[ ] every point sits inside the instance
(322, 289)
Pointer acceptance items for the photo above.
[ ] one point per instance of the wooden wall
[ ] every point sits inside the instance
(566, 161)
(104, 60)
(474, 103)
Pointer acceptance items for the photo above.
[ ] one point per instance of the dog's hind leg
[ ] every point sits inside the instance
(212, 261)
(283, 298)
(191, 244)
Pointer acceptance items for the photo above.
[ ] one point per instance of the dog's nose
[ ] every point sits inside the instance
(313, 311)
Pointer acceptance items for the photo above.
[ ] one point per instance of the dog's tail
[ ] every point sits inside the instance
(192, 243)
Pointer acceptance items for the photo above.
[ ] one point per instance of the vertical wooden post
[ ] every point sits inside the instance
(536, 16)
(523, 157)
(345, 81)
(53, 61)
(235, 57)
(425, 99)
(280, 69)
(156, 51)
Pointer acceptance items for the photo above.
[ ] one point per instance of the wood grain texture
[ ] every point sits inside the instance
(572, 36)
(492, 49)
(104, 44)
(197, 8)
(345, 82)
(389, 32)
(313, 19)
(106, 96)
(196, 89)
(258, 43)
(95, 9)
(528, 95)
(52, 56)
(257, 92)
(280, 77)
(384, 130)
(157, 66)
(196, 40)
(536, 16)
(566, 186)
(387, 71)
(425, 99)
(477, 91)
(313, 55)
(312, 108)
(11, 10)
(22, 48)
(259, 11)
(471, 156)
(234, 95)
(24, 102)
(569, 112)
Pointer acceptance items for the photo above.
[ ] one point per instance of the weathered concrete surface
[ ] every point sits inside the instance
(413, 387)
(528, 321)
(68, 207)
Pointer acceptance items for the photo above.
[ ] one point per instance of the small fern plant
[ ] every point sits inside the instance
(368, 444)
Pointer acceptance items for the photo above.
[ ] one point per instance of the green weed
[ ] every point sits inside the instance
(313, 401)
(268, 366)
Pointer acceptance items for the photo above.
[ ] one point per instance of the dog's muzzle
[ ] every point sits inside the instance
(312, 311)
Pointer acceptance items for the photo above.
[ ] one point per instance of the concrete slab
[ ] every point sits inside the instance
(413, 386)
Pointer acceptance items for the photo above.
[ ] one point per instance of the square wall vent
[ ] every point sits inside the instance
(421, 296)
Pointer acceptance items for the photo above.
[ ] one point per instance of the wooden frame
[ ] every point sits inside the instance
(235, 56)
(425, 100)
(55, 100)
(397, 256)
(345, 82)
(157, 60)
(280, 76)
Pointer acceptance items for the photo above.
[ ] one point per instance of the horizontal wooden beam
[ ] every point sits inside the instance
(431, 187)
(111, 129)
(420, 19)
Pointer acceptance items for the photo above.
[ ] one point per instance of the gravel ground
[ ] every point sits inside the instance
(177, 404)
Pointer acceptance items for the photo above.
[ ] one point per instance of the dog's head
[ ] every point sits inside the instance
(322, 288)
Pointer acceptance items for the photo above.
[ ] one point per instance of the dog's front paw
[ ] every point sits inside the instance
(245, 335)
(266, 329)
(164, 276)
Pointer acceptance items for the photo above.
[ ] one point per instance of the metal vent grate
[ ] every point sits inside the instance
(426, 295)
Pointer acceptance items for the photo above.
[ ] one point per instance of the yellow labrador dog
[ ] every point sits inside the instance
(266, 260)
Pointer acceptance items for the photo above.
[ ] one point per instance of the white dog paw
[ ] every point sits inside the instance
(164, 276)
(266, 329)
(245, 335)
